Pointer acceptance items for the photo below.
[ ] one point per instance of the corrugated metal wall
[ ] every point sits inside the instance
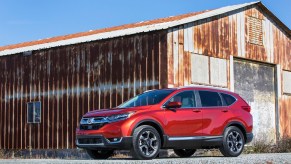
(226, 35)
(285, 115)
(69, 81)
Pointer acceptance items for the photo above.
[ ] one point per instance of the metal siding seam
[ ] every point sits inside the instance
(175, 55)
(1, 111)
(195, 36)
(13, 113)
(243, 47)
(271, 41)
(238, 33)
(170, 58)
(181, 56)
(191, 37)
(186, 45)
(266, 39)
(278, 99)
(231, 70)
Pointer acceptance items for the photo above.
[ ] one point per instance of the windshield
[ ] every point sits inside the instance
(147, 98)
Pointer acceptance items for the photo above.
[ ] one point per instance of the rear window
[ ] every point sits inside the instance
(229, 100)
(210, 99)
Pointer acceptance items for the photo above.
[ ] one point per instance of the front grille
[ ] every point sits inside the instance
(91, 126)
(90, 141)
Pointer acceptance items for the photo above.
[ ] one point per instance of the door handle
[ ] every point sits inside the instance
(225, 110)
(196, 110)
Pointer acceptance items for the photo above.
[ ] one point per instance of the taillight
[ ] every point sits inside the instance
(246, 108)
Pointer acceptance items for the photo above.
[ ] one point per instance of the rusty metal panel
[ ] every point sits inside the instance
(255, 83)
(70, 81)
(176, 56)
(200, 69)
(170, 54)
(224, 36)
(218, 72)
(286, 82)
(181, 66)
(241, 33)
(268, 39)
(285, 116)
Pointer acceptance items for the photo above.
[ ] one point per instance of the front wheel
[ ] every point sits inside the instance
(233, 142)
(100, 154)
(146, 142)
(184, 152)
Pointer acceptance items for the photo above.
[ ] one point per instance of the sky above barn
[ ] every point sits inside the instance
(27, 20)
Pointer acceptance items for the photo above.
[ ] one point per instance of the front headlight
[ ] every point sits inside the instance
(119, 117)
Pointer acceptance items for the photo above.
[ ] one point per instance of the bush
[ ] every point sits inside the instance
(2, 154)
(283, 145)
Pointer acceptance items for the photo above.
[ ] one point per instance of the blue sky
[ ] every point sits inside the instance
(27, 20)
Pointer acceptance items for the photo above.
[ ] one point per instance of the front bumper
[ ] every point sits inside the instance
(250, 137)
(100, 142)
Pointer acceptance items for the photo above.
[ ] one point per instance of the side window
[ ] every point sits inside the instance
(210, 99)
(228, 99)
(34, 112)
(187, 99)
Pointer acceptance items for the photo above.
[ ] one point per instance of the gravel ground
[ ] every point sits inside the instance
(284, 158)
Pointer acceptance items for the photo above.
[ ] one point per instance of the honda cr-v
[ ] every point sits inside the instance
(183, 119)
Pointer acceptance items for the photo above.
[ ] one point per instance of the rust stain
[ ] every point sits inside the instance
(285, 116)
(71, 80)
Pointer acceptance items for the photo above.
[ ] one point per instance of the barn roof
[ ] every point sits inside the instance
(123, 30)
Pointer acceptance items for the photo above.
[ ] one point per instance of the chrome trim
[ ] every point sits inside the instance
(115, 142)
(193, 138)
(93, 120)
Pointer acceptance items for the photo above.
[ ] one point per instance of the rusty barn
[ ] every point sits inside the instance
(47, 85)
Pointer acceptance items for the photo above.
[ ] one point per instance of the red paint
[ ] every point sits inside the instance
(198, 121)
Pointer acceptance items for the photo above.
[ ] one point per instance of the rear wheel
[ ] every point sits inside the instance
(233, 142)
(146, 142)
(184, 152)
(100, 154)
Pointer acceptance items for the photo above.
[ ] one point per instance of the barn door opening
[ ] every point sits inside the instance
(256, 82)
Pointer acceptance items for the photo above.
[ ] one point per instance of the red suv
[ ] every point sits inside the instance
(183, 119)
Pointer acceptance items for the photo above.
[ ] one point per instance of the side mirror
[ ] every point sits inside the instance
(174, 104)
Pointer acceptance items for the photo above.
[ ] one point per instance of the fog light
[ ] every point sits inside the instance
(114, 139)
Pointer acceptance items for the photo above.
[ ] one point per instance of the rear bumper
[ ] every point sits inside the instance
(123, 143)
(250, 137)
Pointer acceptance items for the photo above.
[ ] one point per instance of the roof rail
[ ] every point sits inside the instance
(205, 86)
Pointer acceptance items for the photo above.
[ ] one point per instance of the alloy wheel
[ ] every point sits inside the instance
(148, 143)
(234, 141)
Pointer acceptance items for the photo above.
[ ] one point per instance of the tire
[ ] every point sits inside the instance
(233, 142)
(100, 154)
(146, 143)
(184, 152)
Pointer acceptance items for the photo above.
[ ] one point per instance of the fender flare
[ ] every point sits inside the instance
(236, 123)
(148, 120)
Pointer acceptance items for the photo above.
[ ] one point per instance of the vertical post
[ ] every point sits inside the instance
(231, 76)
(277, 99)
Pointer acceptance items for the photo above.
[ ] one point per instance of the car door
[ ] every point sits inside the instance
(214, 113)
(184, 121)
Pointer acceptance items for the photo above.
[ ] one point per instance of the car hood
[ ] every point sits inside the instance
(109, 112)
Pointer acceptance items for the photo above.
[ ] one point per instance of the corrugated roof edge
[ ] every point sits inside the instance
(130, 31)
